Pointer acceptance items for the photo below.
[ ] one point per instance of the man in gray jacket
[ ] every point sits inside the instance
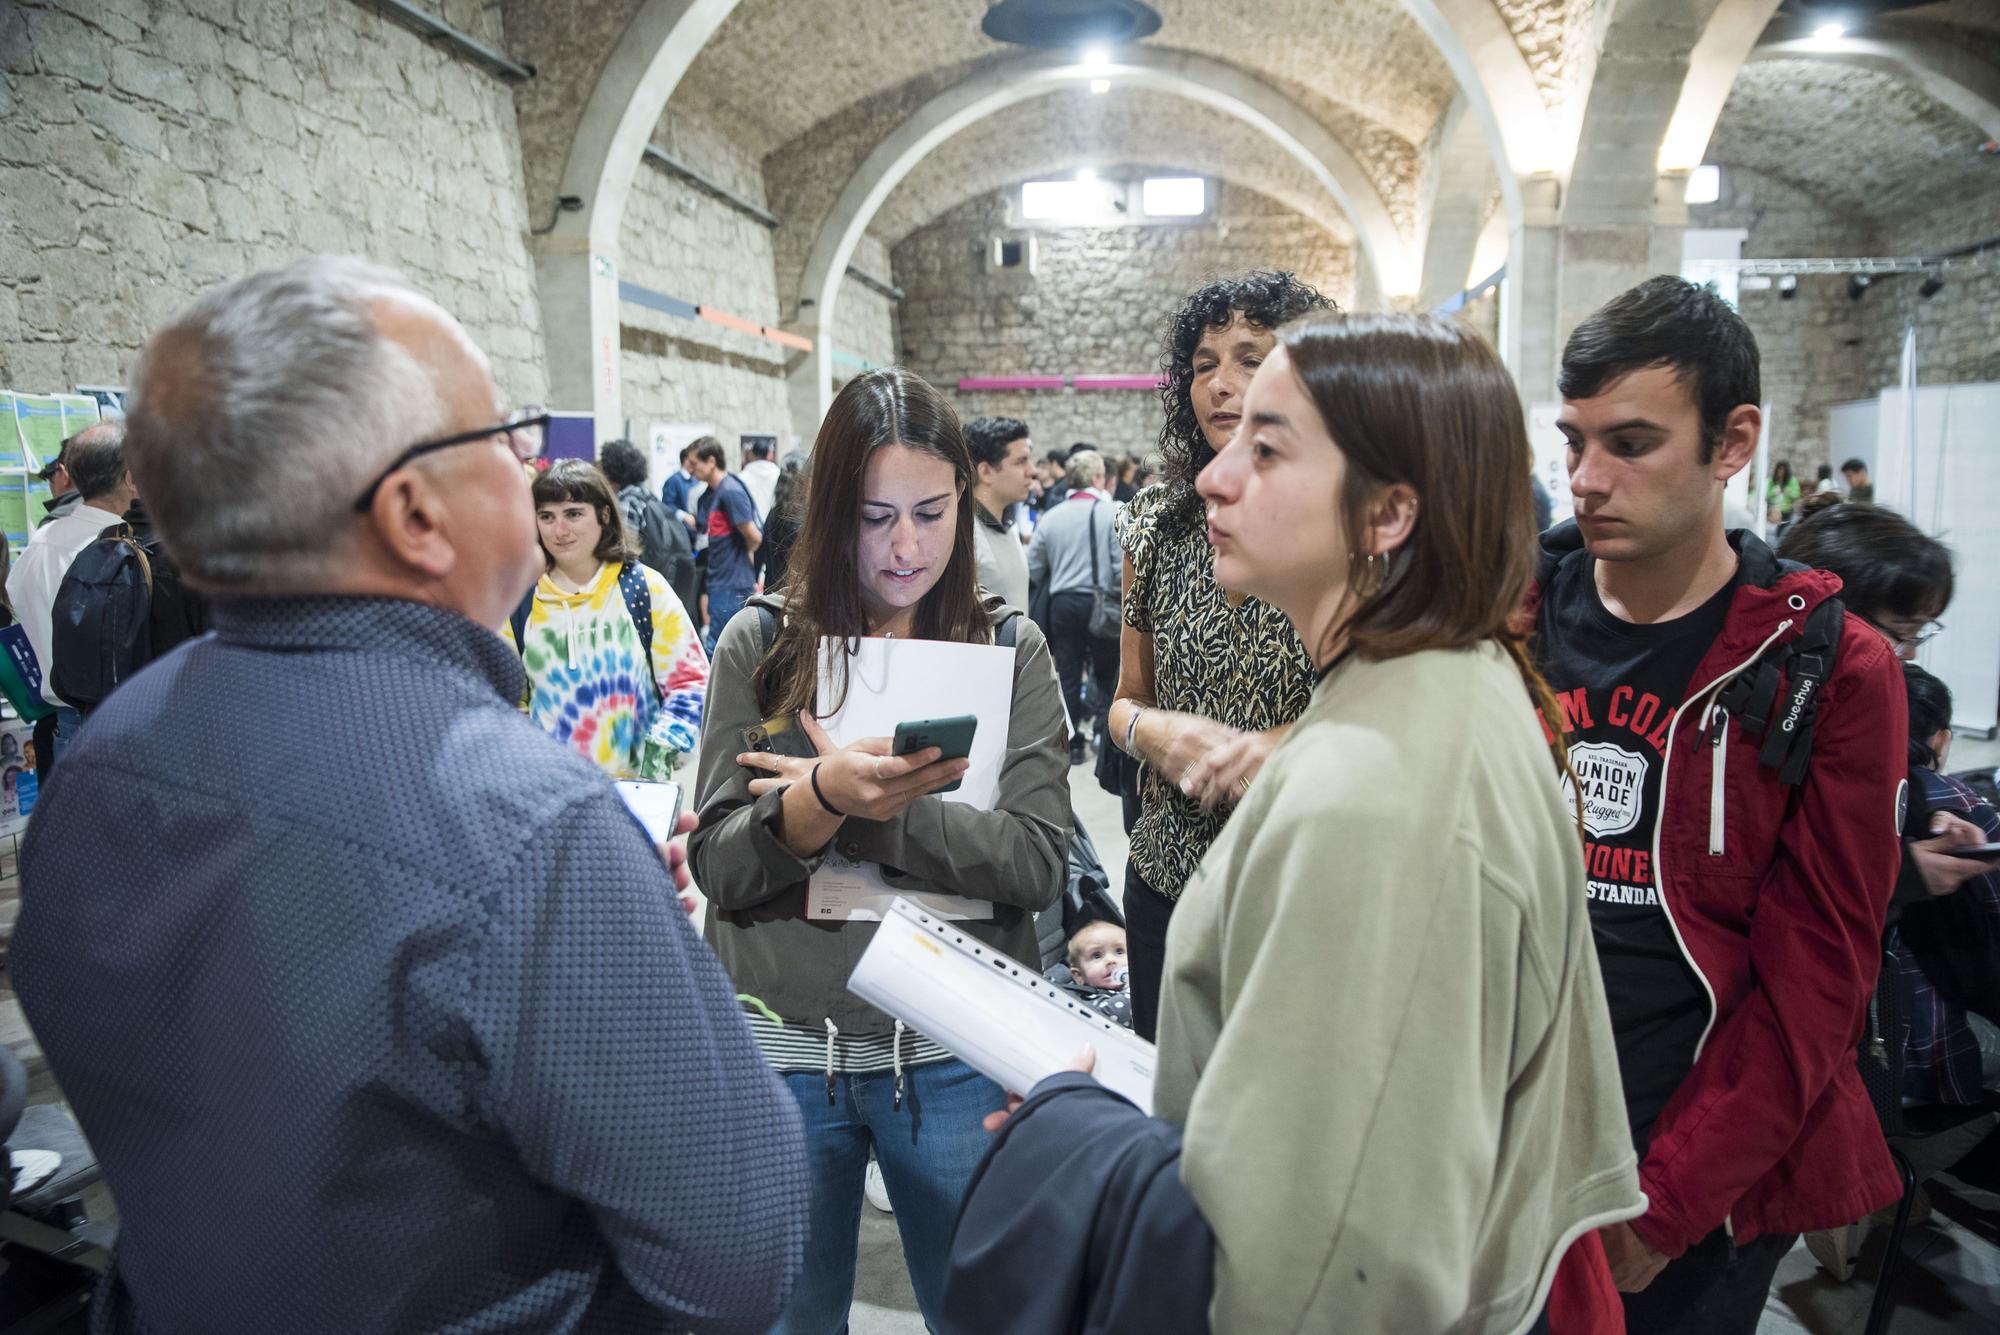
(1074, 555)
(380, 1010)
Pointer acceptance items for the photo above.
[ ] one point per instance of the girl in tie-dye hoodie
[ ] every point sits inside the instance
(584, 631)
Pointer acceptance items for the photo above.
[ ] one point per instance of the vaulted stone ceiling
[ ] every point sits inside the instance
(1364, 57)
(1905, 151)
(1059, 133)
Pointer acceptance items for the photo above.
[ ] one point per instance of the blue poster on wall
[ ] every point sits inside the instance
(572, 436)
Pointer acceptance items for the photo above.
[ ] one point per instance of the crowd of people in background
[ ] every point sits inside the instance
(1506, 900)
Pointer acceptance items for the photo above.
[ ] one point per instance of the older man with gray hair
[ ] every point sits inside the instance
(380, 1010)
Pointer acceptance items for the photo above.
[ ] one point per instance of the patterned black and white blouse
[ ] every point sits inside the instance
(1243, 666)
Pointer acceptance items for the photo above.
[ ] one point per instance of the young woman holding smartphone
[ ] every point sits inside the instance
(885, 548)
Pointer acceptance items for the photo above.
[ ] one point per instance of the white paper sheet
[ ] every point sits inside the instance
(890, 682)
(906, 681)
(998, 1016)
(844, 891)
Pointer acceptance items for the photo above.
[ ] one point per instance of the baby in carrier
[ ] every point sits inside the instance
(1097, 969)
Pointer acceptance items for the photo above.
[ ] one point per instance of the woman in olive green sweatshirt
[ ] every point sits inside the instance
(886, 549)
(1382, 1029)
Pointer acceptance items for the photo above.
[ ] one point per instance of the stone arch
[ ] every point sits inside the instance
(1464, 178)
(576, 265)
(1384, 250)
(1732, 31)
(1948, 74)
(1499, 89)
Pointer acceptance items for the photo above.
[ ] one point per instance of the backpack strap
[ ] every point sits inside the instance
(519, 621)
(1788, 744)
(1008, 631)
(639, 606)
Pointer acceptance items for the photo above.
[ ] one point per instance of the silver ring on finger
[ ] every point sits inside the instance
(878, 769)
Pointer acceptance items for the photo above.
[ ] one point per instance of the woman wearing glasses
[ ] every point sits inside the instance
(1893, 575)
(615, 670)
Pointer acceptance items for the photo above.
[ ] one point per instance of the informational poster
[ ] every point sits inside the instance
(17, 521)
(17, 775)
(78, 412)
(39, 419)
(10, 434)
(664, 443)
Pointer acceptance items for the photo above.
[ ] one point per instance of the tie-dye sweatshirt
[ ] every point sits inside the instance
(587, 680)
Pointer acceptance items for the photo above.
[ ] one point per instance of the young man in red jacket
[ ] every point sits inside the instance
(1741, 805)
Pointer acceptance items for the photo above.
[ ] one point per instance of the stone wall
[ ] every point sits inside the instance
(1097, 304)
(683, 241)
(155, 149)
(1811, 344)
(1958, 328)
(1820, 347)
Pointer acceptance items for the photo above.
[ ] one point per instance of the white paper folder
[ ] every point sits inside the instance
(997, 1015)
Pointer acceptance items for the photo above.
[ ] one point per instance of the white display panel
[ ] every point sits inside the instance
(1937, 468)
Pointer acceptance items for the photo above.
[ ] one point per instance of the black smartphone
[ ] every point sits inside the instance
(953, 736)
(1978, 851)
(780, 736)
(657, 805)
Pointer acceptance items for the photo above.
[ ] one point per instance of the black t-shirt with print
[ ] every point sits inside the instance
(1619, 685)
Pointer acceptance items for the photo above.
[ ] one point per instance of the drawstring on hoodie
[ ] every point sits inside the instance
(896, 1055)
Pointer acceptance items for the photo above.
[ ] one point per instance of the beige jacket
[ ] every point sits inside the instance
(1382, 1024)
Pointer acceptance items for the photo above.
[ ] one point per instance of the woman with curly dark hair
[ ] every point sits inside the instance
(1208, 681)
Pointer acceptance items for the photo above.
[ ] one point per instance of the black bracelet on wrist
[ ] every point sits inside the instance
(820, 795)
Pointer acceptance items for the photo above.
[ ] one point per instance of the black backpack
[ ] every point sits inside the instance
(103, 620)
(664, 542)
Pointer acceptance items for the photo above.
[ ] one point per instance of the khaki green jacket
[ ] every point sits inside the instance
(1382, 1024)
(1016, 855)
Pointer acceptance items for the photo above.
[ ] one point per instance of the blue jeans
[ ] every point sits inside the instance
(927, 1150)
(67, 722)
(722, 605)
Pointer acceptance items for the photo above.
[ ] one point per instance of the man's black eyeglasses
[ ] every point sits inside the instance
(526, 436)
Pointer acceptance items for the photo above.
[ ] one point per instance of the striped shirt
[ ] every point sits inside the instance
(794, 1047)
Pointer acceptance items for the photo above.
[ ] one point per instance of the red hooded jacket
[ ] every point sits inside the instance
(1777, 896)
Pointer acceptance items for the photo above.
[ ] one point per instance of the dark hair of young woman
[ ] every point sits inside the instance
(823, 589)
(1420, 401)
(581, 480)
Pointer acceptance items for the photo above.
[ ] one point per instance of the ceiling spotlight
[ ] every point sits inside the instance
(1100, 86)
(1096, 60)
(1069, 24)
(1086, 175)
(1857, 286)
(1932, 285)
(1788, 286)
(1704, 184)
(1829, 32)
